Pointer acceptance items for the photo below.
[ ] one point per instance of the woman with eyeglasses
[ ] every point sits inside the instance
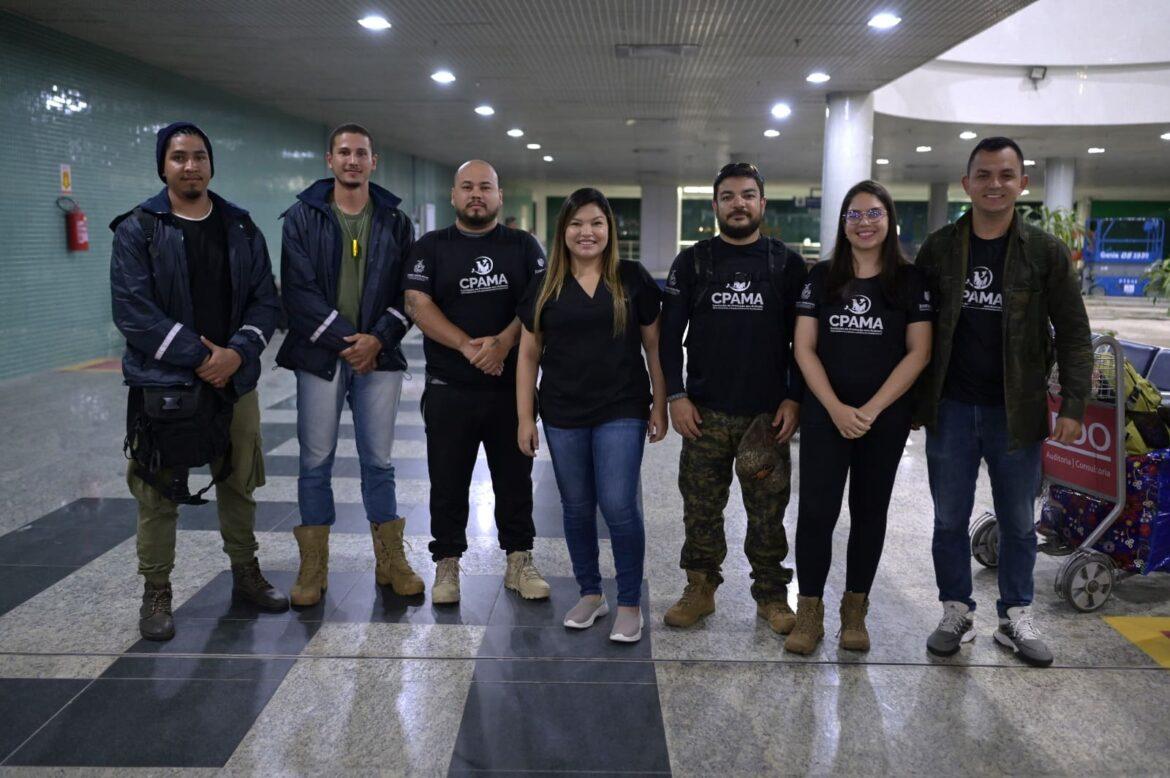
(587, 320)
(863, 335)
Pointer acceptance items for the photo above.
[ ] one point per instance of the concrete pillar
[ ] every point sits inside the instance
(848, 155)
(661, 221)
(936, 213)
(1059, 177)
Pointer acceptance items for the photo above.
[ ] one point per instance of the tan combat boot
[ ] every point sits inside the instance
(697, 601)
(391, 565)
(445, 590)
(854, 636)
(778, 615)
(810, 626)
(313, 577)
(522, 576)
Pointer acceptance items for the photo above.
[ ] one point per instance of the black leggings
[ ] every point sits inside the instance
(826, 458)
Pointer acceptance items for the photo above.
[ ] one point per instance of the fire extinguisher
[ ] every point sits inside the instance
(76, 228)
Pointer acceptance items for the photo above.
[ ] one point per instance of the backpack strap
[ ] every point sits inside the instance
(703, 271)
(777, 259)
(149, 223)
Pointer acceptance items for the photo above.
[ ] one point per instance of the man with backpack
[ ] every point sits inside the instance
(740, 404)
(194, 297)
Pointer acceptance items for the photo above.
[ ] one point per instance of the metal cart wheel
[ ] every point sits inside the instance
(985, 540)
(1085, 580)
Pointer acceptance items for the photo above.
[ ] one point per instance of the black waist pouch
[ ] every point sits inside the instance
(176, 428)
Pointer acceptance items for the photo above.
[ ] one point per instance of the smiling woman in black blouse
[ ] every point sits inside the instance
(586, 322)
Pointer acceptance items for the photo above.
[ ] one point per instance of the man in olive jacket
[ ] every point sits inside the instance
(1000, 282)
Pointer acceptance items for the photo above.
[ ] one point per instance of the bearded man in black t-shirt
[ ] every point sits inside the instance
(462, 285)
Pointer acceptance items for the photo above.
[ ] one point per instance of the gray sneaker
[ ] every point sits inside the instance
(1018, 633)
(956, 628)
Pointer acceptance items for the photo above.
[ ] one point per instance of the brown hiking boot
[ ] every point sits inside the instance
(778, 615)
(313, 577)
(810, 626)
(391, 566)
(854, 636)
(250, 585)
(697, 601)
(155, 621)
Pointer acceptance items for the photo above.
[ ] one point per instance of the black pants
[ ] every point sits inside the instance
(457, 421)
(871, 463)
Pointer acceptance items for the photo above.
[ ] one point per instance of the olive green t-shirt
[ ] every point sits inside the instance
(353, 260)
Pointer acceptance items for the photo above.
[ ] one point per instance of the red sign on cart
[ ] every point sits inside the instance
(1090, 463)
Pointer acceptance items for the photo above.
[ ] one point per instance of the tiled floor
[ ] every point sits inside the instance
(369, 682)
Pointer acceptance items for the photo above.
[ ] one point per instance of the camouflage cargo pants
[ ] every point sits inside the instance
(704, 478)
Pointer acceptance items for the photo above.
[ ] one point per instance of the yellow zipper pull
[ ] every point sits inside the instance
(355, 248)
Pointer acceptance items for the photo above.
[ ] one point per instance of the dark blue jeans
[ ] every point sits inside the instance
(964, 435)
(599, 467)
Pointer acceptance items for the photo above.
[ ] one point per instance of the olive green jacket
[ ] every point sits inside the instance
(1040, 286)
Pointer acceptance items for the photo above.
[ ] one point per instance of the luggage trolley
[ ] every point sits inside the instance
(1093, 464)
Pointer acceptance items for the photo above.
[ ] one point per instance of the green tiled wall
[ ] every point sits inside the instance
(64, 101)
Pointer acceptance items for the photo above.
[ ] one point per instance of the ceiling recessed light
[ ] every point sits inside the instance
(884, 21)
(769, 133)
(443, 76)
(1025, 193)
(1165, 136)
(515, 132)
(534, 146)
(922, 149)
(484, 110)
(547, 158)
(1096, 150)
(967, 135)
(781, 110)
(631, 122)
(1029, 162)
(696, 190)
(817, 77)
(374, 22)
(882, 161)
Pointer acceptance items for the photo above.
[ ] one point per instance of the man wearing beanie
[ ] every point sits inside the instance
(341, 261)
(194, 297)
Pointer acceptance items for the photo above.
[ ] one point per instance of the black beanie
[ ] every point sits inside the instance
(164, 137)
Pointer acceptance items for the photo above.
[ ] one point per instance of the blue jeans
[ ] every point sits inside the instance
(599, 467)
(963, 435)
(373, 398)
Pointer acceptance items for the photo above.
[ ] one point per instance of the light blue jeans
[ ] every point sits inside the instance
(373, 398)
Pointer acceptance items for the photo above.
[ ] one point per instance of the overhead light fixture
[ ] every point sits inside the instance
(1096, 150)
(884, 21)
(534, 146)
(1025, 193)
(484, 110)
(374, 22)
(1165, 136)
(443, 76)
(631, 122)
(881, 161)
(817, 77)
(781, 110)
(968, 135)
(770, 133)
(922, 149)
(547, 158)
(1029, 162)
(697, 190)
(515, 132)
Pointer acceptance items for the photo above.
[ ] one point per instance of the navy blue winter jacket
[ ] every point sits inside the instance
(310, 265)
(152, 303)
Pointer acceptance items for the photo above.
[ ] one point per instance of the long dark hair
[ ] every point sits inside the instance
(841, 275)
(559, 261)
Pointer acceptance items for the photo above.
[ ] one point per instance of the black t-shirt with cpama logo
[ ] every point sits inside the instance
(477, 282)
(975, 371)
(861, 337)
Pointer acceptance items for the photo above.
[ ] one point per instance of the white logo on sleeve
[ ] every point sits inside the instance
(855, 321)
(482, 279)
(977, 296)
(540, 261)
(738, 297)
(419, 267)
(419, 272)
(806, 293)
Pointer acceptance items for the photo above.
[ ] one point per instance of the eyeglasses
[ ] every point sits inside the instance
(873, 215)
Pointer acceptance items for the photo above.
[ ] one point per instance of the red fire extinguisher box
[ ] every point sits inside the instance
(76, 228)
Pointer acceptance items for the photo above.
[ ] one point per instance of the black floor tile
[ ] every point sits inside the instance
(27, 703)
(215, 601)
(156, 722)
(19, 583)
(534, 629)
(269, 634)
(582, 727)
(205, 669)
(368, 602)
(269, 515)
(71, 536)
(563, 671)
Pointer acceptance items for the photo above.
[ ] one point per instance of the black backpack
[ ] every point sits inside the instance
(705, 268)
